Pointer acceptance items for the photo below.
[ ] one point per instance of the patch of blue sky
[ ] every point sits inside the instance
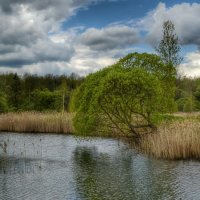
(107, 12)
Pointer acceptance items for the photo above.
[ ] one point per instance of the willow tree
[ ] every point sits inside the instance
(121, 98)
(153, 64)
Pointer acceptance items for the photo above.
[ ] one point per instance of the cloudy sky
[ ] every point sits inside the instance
(82, 36)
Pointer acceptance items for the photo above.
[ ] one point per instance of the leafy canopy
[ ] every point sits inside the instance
(124, 97)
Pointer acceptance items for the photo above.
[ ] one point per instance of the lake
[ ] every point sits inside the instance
(58, 167)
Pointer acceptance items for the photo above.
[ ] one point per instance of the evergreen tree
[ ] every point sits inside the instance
(169, 48)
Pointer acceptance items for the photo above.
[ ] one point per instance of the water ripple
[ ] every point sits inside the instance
(49, 167)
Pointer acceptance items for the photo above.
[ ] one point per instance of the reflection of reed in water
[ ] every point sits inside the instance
(13, 166)
(20, 161)
(4, 147)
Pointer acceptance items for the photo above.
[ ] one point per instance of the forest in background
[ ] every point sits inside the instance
(53, 93)
(36, 93)
(46, 93)
(187, 96)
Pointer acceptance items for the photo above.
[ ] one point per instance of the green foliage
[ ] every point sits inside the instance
(197, 93)
(169, 48)
(188, 105)
(123, 97)
(187, 94)
(15, 94)
(153, 64)
(46, 100)
(197, 98)
(30, 92)
(83, 102)
(64, 93)
(3, 103)
(166, 118)
(149, 62)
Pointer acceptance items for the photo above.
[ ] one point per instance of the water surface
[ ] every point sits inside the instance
(49, 167)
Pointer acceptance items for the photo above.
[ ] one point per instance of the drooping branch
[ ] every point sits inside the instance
(111, 119)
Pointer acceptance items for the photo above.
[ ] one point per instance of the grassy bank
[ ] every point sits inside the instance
(36, 122)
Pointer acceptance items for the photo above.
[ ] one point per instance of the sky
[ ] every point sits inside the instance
(82, 36)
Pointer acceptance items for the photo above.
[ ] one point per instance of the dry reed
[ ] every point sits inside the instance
(179, 139)
(36, 122)
(176, 140)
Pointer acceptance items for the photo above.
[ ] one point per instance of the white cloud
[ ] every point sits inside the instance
(192, 65)
(32, 41)
(26, 29)
(185, 16)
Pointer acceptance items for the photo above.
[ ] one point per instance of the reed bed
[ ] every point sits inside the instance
(178, 139)
(36, 122)
(174, 140)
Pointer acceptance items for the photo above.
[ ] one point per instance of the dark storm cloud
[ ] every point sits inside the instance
(25, 28)
(53, 8)
(40, 52)
(24, 31)
(112, 37)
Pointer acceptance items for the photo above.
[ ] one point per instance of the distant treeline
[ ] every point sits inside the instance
(33, 92)
(187, 94)
(51, 92)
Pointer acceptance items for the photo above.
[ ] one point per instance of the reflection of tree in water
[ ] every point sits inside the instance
(154, 179)
(101, 176)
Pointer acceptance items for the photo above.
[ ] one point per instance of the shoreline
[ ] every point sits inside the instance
(176, 139)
